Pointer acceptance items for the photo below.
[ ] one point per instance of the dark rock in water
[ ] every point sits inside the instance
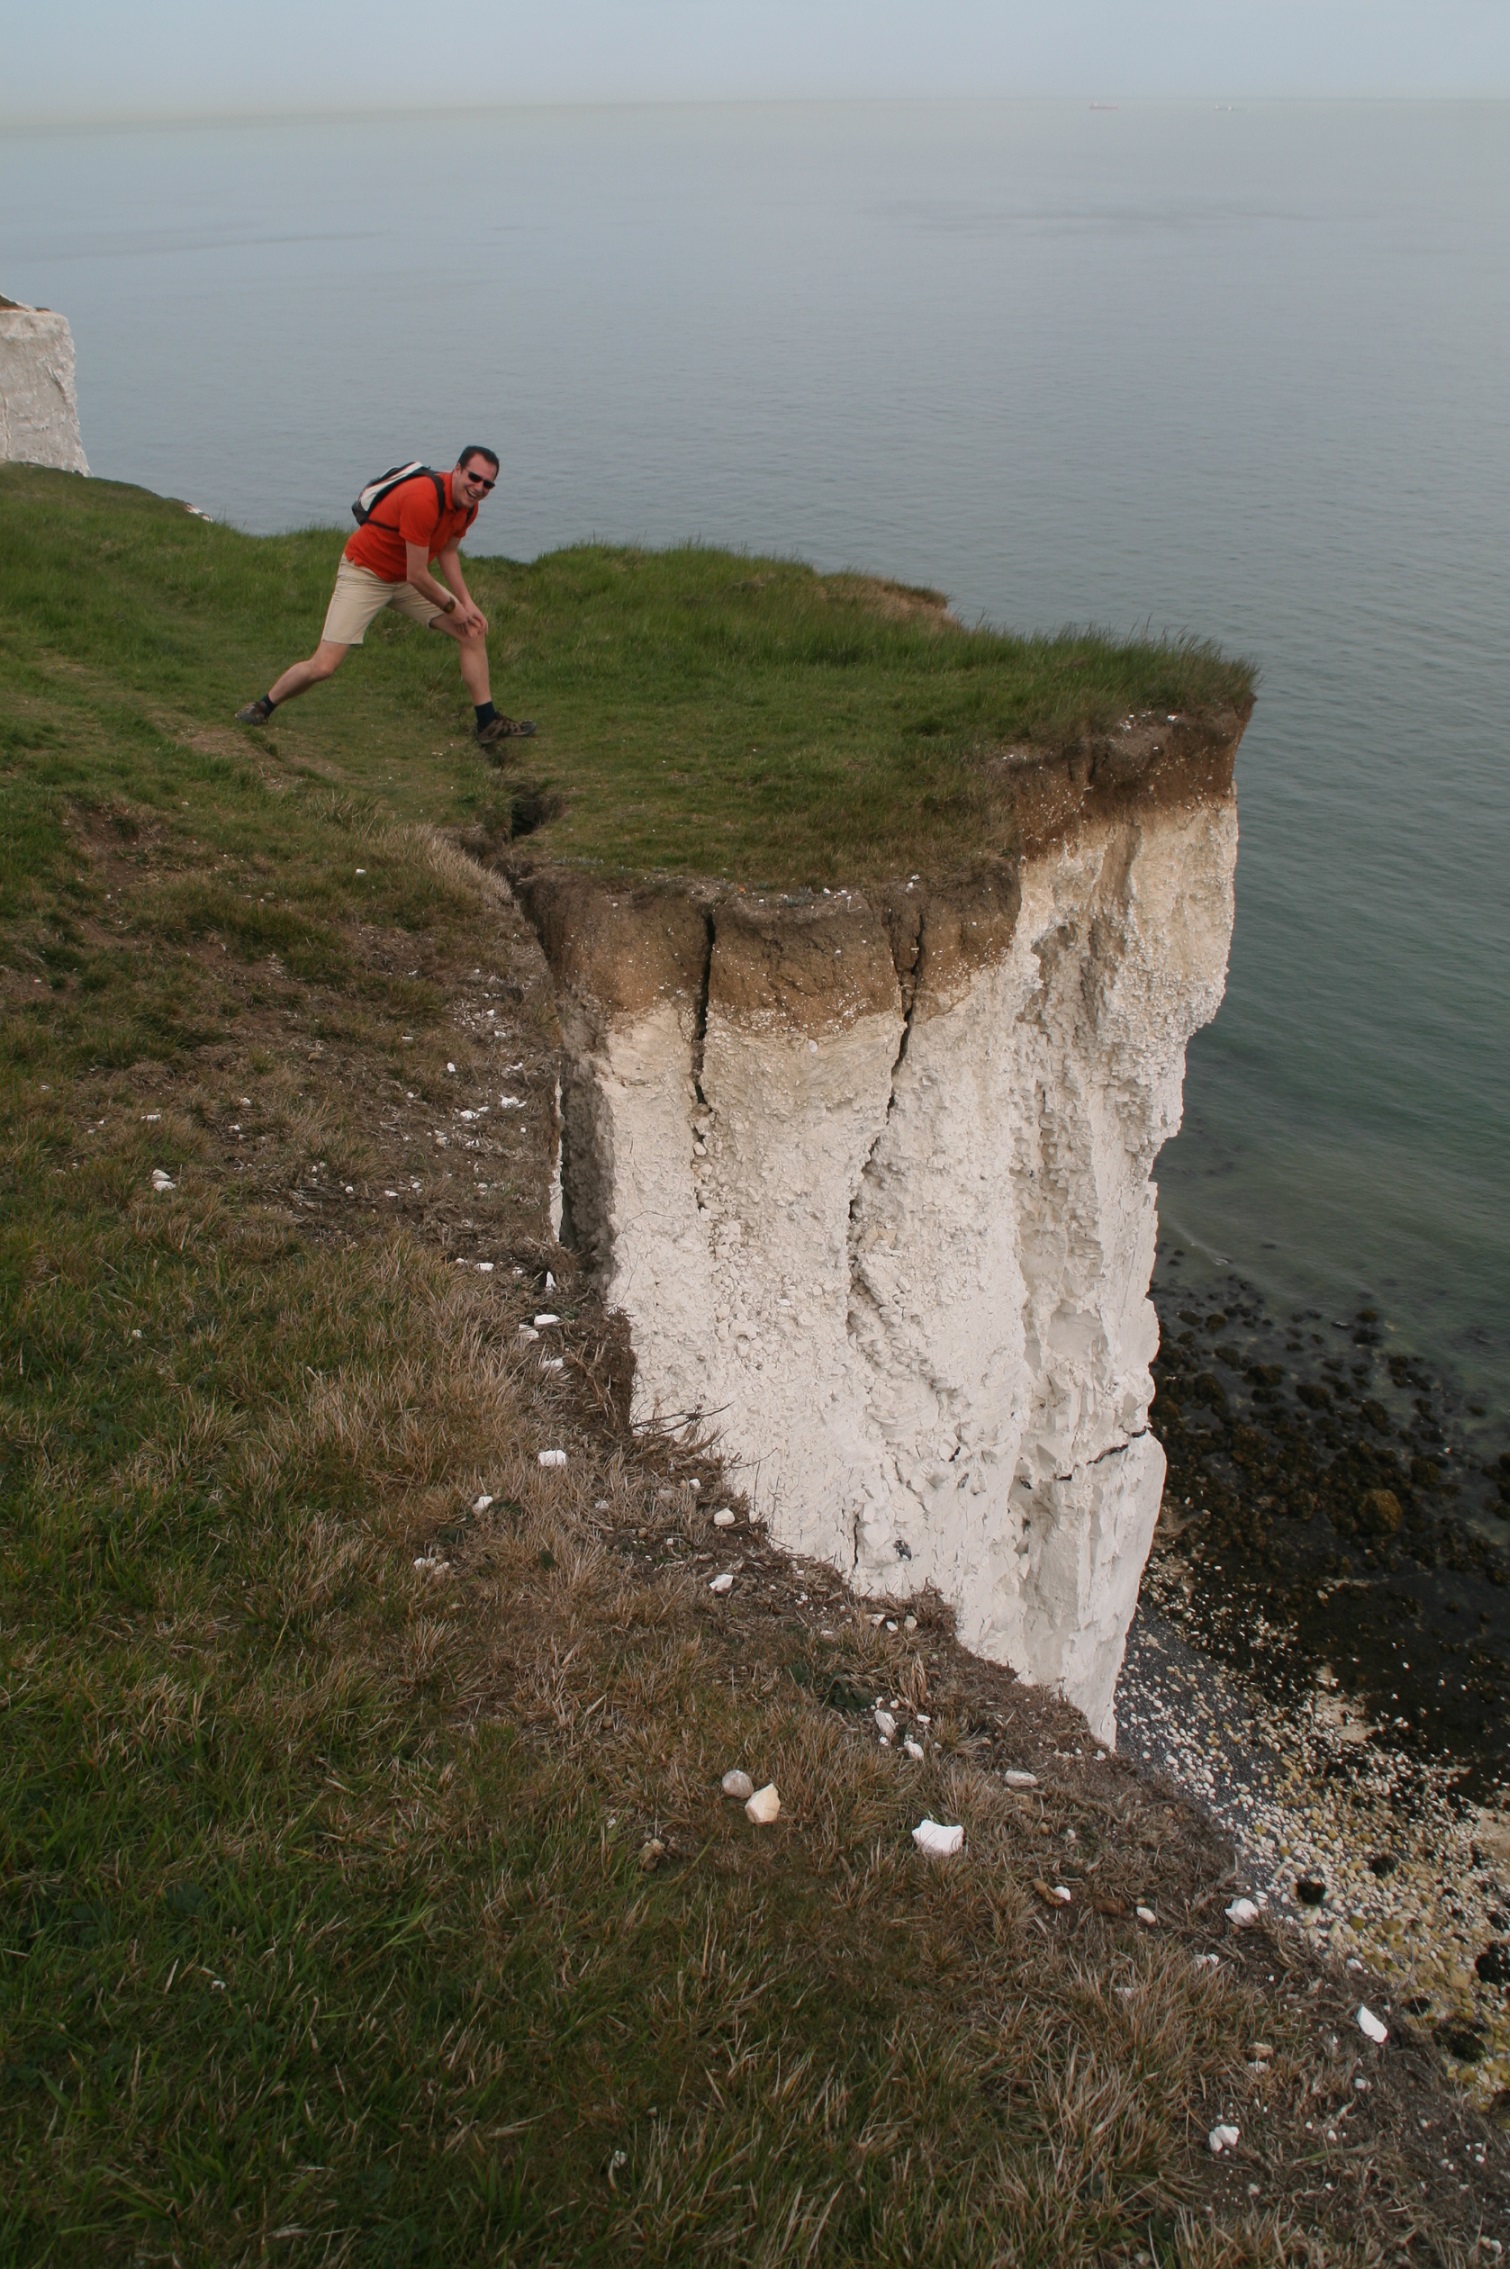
(1381, 1513)
(1493, 1965)
(1310, 1890)
(1329, 1523)
(1382, 1863)
(1461, 2040)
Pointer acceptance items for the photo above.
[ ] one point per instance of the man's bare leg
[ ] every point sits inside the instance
(472, 653)
(323, 663)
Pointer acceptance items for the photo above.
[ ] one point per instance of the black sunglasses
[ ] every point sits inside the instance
(469, 475)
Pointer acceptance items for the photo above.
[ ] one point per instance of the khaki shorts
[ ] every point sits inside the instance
(360, 596)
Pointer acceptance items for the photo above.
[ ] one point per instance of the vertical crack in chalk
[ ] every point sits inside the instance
(907, 982)
(699, 1043)
(700, 1010)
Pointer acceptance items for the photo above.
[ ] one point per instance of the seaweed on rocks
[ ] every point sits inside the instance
(1329, 1510)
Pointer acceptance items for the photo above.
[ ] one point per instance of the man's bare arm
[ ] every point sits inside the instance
(457, 604)
(467, 608)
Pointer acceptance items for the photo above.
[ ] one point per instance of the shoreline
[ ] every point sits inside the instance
(1328, 1677)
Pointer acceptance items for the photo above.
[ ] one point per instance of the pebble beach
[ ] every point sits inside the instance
(1309, 1681)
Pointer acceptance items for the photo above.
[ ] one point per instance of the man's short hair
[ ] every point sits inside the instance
(476, 449)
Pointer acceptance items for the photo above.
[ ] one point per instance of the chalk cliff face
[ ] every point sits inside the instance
(869, 1176)
(39, 412)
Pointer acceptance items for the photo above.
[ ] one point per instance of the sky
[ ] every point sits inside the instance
(100, 58)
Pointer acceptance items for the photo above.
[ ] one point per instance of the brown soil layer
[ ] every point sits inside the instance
(815, 960)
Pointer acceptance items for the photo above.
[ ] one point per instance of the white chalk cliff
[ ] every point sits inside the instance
(869, 1175)
(39, 411)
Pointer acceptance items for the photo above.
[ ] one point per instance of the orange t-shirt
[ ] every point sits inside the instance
(410, 514)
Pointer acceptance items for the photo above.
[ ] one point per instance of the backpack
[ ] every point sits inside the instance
(385, 484)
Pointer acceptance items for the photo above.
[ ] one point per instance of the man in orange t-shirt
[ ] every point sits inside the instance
(387, 563)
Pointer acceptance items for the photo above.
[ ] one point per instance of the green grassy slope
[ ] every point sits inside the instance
(700, 712)
(325, 1933)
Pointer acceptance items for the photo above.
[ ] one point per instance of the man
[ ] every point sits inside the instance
(387, 563)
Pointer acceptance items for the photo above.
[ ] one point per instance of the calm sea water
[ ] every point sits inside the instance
(1237, 371)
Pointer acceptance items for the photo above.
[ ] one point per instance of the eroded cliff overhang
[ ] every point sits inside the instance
(868, 1171)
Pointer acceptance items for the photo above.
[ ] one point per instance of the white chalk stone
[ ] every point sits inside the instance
(481, 1504)
(886, 1724)
(39, 411)
(738, 1785)
(1368, 2023)
(162, 1181)
(914, 1750)
(764, 1806)
(1242, 1914)
(724, 1519)
(1016, 1778)
(1222, 2139)
(939, 1842)
(722, 1585)
(552, 1457)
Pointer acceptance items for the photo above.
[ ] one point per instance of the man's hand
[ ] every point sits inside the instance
(467, 615)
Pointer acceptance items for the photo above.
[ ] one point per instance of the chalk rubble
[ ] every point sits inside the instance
(937, 1840)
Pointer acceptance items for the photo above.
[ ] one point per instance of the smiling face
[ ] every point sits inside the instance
(472, 482)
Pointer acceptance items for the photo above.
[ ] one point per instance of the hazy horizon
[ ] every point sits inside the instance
(90, 62)
(272, 114)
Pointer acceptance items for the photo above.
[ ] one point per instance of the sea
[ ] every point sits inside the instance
(1232, 370)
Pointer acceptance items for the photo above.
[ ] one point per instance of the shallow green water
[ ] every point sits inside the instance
(1240, 371)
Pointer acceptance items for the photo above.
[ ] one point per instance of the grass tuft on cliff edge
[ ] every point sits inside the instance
(700, 712)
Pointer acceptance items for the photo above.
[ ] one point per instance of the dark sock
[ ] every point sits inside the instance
(485, 713)
(268, 703)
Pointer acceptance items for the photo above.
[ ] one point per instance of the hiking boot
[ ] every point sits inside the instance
(256, 712)
(505, 729)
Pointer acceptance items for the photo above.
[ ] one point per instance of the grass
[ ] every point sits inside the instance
(335, 1928)
(700, 712)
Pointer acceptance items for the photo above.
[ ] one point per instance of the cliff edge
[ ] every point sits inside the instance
(868, 1172)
